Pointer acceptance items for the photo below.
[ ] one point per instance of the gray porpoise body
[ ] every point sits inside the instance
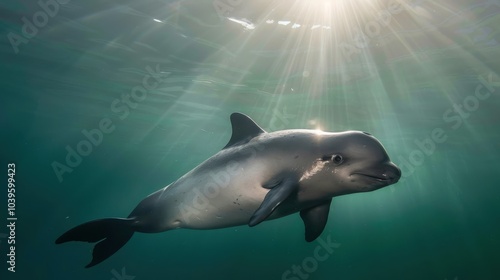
(257, 176)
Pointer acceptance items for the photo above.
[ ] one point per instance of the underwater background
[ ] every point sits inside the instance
(422, 76)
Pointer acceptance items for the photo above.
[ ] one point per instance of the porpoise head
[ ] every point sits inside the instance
(350, 162)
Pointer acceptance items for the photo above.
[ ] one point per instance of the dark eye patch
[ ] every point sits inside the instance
(326, 158)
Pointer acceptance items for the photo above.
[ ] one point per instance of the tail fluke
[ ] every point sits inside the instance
(112, 234)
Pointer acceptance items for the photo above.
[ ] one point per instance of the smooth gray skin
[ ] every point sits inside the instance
(258, 176)
(229, 187)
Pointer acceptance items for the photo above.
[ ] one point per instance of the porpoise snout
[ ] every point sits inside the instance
(392, 172)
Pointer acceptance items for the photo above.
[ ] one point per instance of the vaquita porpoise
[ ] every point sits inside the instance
(257, 176)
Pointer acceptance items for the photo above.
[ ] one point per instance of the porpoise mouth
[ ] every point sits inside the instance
(378, 178)
(388, 177)
(389, 174)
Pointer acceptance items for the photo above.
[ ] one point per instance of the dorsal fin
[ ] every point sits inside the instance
(244, 129)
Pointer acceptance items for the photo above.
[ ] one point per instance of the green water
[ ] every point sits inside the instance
(425, 81)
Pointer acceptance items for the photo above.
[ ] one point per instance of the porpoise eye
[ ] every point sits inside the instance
(337, 159)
